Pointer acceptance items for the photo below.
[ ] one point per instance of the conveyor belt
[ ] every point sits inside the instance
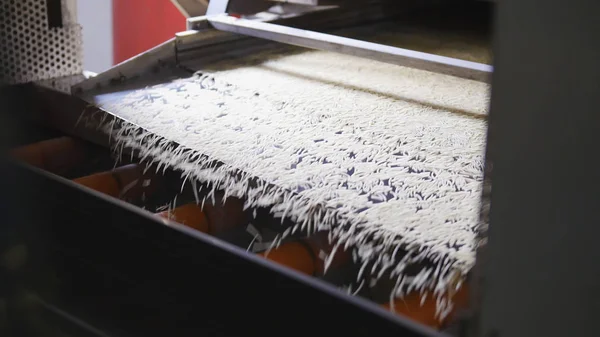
(137, 186)
(92, 219)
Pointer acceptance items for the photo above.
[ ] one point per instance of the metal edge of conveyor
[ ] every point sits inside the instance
(121, 269)
(353, 47)
(540, 273)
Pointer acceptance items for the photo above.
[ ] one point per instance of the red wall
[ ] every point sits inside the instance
(139, 25)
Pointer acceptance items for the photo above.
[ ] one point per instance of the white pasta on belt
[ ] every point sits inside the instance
(385, 156)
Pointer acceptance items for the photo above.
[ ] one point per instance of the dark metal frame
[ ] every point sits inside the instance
(123, 272)
(541, 268)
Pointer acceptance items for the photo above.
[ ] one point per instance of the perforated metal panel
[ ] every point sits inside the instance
(30, 50)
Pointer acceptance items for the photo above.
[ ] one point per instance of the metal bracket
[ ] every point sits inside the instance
(374, 51)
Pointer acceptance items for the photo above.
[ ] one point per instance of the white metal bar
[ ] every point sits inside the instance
(374, 51)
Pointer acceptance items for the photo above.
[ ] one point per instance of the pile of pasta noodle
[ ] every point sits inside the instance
(387, 159)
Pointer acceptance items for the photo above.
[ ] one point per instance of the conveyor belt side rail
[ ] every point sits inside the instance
(374, 51)
(125, 272)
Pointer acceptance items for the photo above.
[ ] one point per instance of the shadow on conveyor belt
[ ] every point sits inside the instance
(315, 78)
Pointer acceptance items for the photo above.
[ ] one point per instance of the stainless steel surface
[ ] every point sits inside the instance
(63, 84)
(374, 51)
(30, 50)
(135, 66)
(192, 40)
(69, 11)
